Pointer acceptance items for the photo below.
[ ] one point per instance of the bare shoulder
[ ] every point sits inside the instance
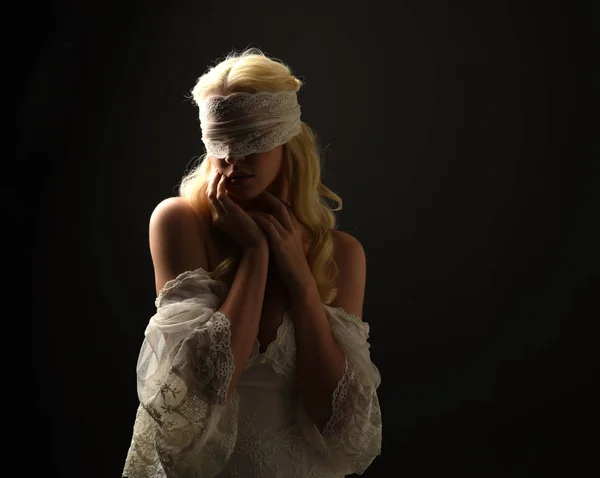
(350, 259)
(348, 252)
(172, 207)
(177, 240)
(175, 218)
(343, 241)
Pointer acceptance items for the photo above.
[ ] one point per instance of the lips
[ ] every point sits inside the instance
(238, 172)
(239, 181)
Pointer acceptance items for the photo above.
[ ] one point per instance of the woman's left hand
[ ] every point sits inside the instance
(286, 241)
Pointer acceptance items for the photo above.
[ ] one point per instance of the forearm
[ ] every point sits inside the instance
(320, 359)
(243, 306)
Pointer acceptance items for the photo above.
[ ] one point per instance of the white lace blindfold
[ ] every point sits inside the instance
(244, 123)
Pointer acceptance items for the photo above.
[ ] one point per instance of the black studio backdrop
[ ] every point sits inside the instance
(442, 126)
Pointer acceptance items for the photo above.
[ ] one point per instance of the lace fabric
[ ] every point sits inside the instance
(244, 123)
(186, 427)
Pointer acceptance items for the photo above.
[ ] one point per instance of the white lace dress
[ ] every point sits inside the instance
(185, 426)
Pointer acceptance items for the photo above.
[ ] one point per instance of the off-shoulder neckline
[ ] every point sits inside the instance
(185, 274)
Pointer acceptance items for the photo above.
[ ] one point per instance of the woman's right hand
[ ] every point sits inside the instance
(232, 219)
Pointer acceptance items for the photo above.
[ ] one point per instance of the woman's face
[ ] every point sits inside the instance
(267, 171)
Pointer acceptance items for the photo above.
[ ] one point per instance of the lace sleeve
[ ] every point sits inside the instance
(185, 425)
(351, 438)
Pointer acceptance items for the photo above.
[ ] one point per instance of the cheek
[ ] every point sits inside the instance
(217, 163)
(275, 177)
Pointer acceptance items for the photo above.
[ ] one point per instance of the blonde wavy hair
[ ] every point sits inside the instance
(252, 71)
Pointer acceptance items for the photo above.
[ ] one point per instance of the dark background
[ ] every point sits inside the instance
(451, 130)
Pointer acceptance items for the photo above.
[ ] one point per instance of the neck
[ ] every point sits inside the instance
(257, 204)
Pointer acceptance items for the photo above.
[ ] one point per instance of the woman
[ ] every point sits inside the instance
(256, 363)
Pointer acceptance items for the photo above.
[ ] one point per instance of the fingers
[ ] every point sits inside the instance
(280, 209)
(269, 221)
(221, 192)
(213, 194)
